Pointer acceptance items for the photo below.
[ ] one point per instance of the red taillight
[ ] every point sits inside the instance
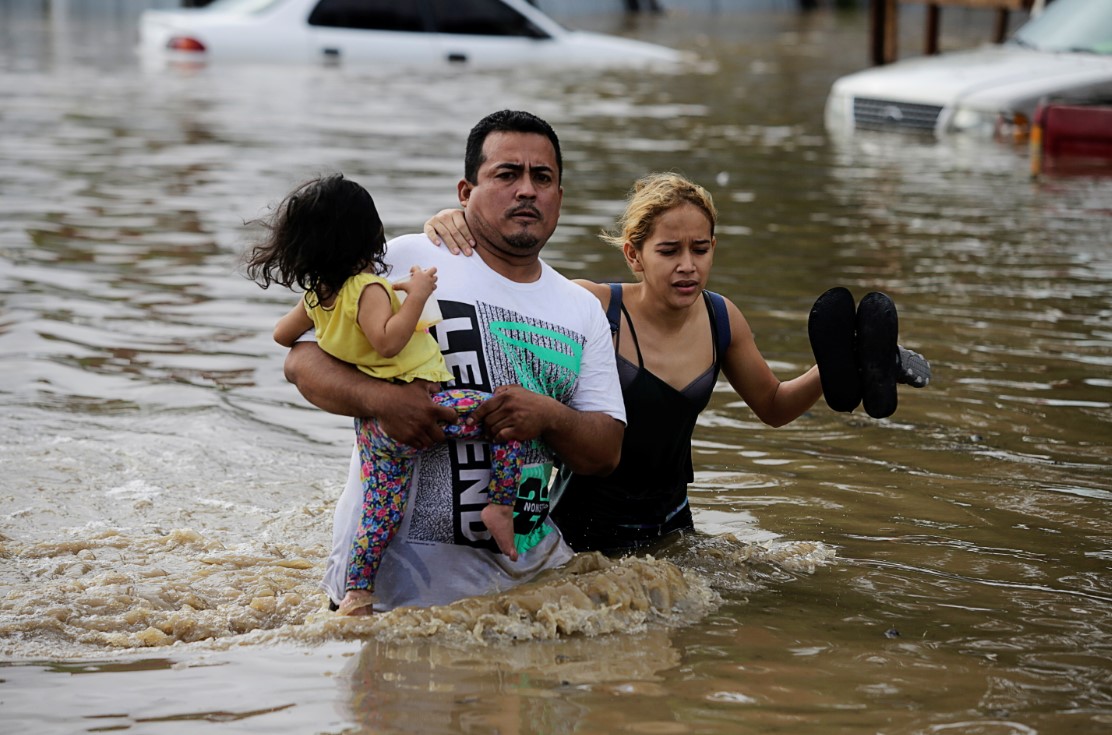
(185, 43)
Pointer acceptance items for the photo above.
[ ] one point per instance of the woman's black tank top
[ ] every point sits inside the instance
(646, 496)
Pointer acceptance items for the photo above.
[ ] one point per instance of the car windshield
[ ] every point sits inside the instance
(1070, 25)
(240, 7)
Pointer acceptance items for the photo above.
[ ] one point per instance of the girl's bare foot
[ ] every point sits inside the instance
(355, 602)
(499, 520)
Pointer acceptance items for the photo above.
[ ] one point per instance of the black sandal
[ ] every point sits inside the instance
(878, 329)
(830, 327)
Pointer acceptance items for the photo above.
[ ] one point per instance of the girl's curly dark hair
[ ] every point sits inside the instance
(324, 232)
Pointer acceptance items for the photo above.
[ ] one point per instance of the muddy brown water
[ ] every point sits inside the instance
(165, 496)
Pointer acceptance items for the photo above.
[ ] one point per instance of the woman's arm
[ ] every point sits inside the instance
(775, 402)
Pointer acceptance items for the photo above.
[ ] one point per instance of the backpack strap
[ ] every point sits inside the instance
(720, 322)
(614, 311)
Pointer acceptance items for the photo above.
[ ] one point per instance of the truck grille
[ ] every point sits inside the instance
(887, 115)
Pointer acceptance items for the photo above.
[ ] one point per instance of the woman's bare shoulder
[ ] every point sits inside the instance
(601, 291)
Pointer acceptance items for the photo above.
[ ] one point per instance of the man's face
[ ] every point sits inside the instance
(514, 205)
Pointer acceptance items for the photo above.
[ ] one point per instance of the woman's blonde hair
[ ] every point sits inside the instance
(652, 196)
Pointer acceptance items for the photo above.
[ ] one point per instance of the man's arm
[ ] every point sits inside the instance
(404, 410)
(588, 442)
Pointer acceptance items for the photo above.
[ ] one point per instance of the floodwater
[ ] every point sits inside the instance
(165, 497)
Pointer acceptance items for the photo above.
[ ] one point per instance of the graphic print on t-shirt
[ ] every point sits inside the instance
(487, 346)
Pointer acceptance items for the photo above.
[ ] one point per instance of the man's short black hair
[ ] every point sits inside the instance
(506, 121)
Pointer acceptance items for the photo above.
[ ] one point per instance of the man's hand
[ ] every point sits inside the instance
(404, 410)
(515, 414)
(588, 442)
(408, 415)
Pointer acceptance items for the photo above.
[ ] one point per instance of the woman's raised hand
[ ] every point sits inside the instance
(448, 227)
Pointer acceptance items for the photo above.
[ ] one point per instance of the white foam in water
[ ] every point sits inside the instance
(134, 490)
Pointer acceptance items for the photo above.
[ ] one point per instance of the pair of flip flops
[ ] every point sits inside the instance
(856, 351)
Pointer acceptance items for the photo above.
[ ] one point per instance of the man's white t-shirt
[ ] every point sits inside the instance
(550, 336)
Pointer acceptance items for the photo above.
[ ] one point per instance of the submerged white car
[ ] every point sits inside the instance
(393, 33)
(1062, 55)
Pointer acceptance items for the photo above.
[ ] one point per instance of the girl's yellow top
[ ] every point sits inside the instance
(338, 334)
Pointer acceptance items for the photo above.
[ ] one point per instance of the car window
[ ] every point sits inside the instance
(482, 18)
(1070, 25)
(377, 15)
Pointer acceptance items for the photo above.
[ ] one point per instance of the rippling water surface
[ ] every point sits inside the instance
(165, 497)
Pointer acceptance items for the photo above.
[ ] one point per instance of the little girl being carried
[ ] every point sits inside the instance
(327, 239)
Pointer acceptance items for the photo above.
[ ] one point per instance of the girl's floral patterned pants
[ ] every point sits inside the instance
(386, 468)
